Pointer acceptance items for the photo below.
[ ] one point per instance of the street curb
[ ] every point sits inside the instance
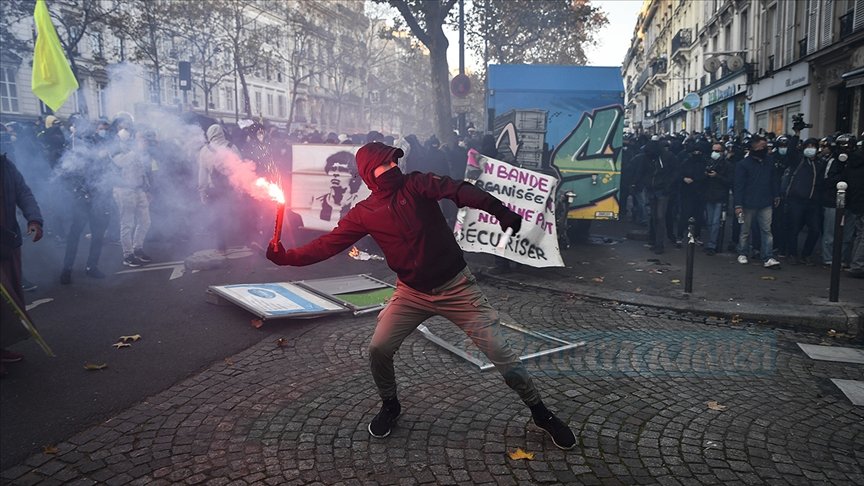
(839, 317)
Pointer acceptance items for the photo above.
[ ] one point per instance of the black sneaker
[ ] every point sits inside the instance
(94, 272)
(558, 431)
(66, 277)
(384, 420)
(145, 258)
(132, 261)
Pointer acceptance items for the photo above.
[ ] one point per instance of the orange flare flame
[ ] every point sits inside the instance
(354, 253)
(273, 190)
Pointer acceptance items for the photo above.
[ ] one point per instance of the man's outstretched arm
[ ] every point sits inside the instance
(344, 235)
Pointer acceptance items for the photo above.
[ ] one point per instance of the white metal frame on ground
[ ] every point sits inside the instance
(485, 365)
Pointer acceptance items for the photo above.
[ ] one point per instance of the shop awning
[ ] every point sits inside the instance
(854, 78)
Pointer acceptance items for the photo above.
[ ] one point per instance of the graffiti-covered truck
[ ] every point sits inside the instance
(567, 121)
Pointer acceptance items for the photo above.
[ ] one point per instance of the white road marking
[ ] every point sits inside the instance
(37, 303)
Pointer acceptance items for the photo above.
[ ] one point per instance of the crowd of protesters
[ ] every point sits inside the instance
(131, 183)
(766, 190)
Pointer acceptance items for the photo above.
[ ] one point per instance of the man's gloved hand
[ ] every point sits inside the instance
(511, 220)
(276, 253)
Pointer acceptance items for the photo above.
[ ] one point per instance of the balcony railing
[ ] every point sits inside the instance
(846, 24)
(658, 66)
(681, 40)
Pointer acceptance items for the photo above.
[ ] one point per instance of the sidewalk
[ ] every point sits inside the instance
(614, 267)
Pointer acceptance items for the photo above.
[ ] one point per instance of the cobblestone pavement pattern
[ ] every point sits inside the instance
(635, 395)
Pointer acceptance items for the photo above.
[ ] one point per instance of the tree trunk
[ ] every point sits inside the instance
(441, 86)
(244, 88)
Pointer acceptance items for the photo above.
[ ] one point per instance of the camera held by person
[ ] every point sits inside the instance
(799, 124)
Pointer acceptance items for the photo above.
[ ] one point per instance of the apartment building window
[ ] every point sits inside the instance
(745, 29)
(96, 45)
(258, 102)
(727, 37)
(101, 100)
(229, 99)
(8, 90)
(770, 34)
(153, 88)
(270, 104)
(280, 103)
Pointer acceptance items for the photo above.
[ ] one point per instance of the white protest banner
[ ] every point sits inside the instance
(528, 193)
(325, 184)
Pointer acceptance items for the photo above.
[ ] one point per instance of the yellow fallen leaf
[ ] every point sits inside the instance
(598, 279)
(716, 406)
(133, 338)
(638, 289)
(520, 454)
(675, 281)
(95, 366)
(50, 449)
(281, 342)
(229, 361)
(122, 345)
(736, 319)
(768, 277)
(257, 323)
(832, 332)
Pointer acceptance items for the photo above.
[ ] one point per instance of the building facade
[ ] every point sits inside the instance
(724, 66)
(311, 73)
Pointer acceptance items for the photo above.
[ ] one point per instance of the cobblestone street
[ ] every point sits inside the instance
(636, 395)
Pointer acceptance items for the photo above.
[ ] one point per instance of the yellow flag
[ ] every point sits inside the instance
(52, 80)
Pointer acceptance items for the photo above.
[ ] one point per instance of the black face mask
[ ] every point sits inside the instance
(759, 154)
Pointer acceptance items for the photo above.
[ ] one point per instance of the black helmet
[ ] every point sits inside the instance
(811, 141)
(781, 141)
(828, 142)
(846, 142)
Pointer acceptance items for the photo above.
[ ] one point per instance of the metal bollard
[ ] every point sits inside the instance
(691, 250)
(837, 251)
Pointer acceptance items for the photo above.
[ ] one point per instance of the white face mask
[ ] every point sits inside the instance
(843, 157)
(716, 155)
(810, 152)
(123, 134)
(782, 150)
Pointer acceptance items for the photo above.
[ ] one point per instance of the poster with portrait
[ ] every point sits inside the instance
(325, 184)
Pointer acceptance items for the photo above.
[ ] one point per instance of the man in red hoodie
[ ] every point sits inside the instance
(403, 216)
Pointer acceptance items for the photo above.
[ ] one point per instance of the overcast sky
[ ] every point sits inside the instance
(613, 40)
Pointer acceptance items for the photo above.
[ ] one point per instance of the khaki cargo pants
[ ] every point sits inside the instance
(461, 301)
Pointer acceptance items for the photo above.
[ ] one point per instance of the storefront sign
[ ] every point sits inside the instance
(724, 91)
(782, 81)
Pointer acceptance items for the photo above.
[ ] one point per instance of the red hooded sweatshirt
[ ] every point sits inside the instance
(403, 216)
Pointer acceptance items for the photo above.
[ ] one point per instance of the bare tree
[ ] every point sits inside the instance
(304, 49)
(243, 35)
(533, 31)
(73, 20)
(426, 20)
(146, 23)
(194, 23)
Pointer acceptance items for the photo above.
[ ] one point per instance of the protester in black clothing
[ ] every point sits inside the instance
(657, 174)
(86, 170)
(716, 196)
(691, 176)
(803, 203)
